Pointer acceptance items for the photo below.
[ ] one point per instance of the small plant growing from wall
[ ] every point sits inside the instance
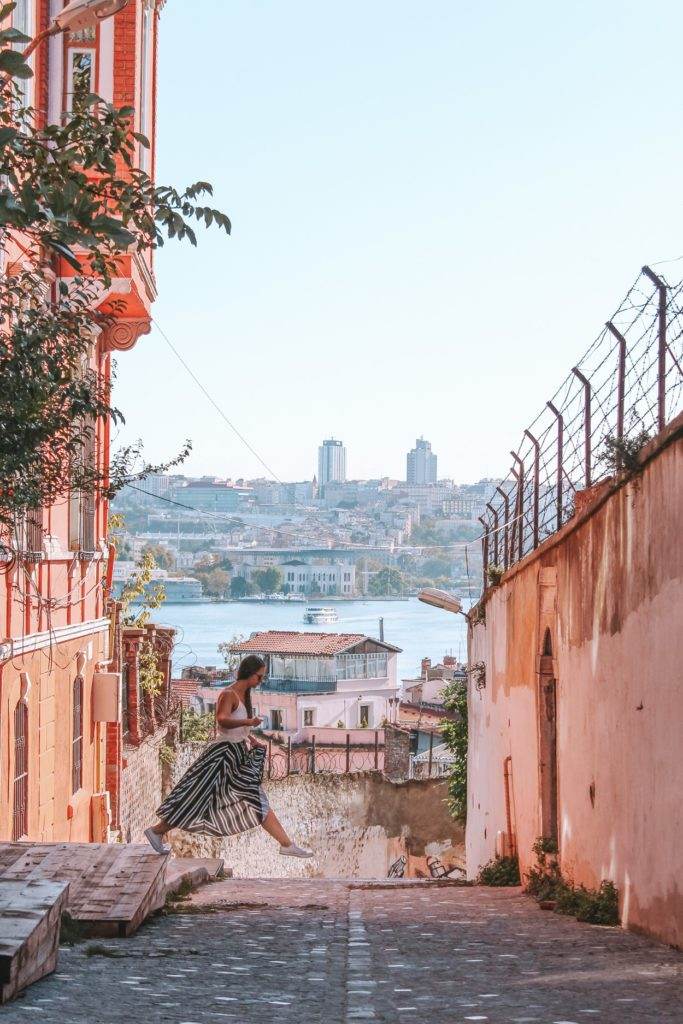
(501, 871)
(494, 575)
(620, 454)
(455, 737)
(546, 884)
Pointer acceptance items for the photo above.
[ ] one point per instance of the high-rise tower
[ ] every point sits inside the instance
(421, 463)
(331, 462)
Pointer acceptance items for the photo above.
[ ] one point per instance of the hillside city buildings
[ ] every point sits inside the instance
(327, 536)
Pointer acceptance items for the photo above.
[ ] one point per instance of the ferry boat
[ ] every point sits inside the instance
(320, 614)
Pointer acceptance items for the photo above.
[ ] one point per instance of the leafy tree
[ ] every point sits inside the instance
(217, 583)
(138, 597)
(268, 581)
(161, 555)
(436, 567)
(69, 191)
(454, 734)
(239, 587)
(386, 583)
(230, 658)
(197, 728)
(138, 600)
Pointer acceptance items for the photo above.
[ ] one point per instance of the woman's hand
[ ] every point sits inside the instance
(254, 743)
(254, 722)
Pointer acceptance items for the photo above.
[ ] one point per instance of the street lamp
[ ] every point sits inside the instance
(441, 599)
(77, 15)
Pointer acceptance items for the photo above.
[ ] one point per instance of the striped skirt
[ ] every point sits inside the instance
(221, 794)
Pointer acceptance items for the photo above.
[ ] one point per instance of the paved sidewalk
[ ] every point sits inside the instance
(314, 951)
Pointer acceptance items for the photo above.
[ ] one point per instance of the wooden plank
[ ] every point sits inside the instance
(30, 916)
(112, 888)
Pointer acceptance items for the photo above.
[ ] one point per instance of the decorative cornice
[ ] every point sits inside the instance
(37, 641)
(122, 335)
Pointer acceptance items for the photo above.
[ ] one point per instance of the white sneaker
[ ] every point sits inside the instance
(155, 841)
(295, 851)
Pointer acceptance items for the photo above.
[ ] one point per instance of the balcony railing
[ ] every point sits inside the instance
(275, 684)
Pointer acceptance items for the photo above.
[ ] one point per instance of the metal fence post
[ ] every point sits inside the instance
(661, 359)
(485, 551)
(494, 512)
(313, 756)
(621, 378)
(586, 423)
(506, 548)
(431, 753)
(348, 752)
(519, 506)
(560, 459)
(289, 755)
(270, 757)
(537, 482)
(376, 749)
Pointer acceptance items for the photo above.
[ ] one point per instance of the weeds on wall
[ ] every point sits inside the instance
(501, 871)
(494, 575)
(546, 884)
(620, 454)
(455, 737)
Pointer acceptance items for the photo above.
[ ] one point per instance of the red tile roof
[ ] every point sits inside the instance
(184, 690)
(280, 642)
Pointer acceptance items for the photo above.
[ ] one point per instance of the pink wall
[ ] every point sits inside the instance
(609, 587)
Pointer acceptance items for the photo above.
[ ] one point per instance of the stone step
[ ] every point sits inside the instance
(112, 887)
(30, 916)
(193, 872)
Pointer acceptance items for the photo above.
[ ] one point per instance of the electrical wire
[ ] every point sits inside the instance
(217, 407)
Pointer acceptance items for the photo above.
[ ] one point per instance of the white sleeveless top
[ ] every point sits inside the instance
(237, 735)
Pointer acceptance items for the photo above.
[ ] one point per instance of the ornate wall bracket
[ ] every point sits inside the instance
(123, 334)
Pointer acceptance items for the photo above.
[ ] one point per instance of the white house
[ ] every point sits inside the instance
(323, 681)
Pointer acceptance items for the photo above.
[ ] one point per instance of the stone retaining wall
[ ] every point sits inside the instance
(360, 825)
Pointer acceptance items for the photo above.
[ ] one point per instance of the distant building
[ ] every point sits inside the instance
(323, 579)
(179, 589)
(421, 463)
(323, 682)
(208, 496)
(331, 462)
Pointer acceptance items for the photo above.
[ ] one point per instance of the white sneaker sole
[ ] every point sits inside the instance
(296, 852)
(155, 842)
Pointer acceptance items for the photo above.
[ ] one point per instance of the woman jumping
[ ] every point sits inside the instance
(221, 794)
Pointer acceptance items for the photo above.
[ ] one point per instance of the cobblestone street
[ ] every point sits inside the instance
(314, 951)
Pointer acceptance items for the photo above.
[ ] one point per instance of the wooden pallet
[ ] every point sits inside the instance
(30, 914)
(112, 888)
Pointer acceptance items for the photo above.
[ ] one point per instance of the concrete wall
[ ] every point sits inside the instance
(359, 825)
(609, 590)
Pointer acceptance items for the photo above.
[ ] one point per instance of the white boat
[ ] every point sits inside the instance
(319, 614)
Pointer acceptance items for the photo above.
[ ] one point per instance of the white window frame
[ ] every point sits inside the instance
(305, 724)
(25, 10)
(360, 716)
(146, 72)
(71, 52)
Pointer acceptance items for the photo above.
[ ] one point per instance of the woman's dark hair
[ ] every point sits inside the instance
(249, 666)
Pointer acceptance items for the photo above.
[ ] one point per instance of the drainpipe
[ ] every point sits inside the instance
(507, 775)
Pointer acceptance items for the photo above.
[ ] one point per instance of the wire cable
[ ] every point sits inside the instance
(217, 407)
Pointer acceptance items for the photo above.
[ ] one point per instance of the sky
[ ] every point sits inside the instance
(435, 208)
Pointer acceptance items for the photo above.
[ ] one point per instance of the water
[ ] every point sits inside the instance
(418, 629)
